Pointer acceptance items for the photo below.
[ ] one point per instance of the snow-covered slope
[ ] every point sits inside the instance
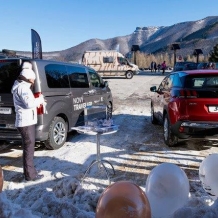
(201, 34)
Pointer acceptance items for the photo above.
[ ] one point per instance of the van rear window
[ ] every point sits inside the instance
(9, 71)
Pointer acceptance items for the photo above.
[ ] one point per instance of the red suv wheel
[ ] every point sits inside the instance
(169, 138)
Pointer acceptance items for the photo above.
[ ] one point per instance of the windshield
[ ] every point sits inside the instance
(122, 60)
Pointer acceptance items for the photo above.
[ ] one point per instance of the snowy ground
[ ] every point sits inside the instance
(134, 151)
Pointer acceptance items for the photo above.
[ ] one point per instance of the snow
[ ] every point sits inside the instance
(134, 150)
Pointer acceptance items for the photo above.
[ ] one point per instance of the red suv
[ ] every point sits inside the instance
(186, 104)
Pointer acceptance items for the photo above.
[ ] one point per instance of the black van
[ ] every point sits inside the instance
(67, 88)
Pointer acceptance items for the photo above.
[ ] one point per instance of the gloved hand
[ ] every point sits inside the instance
(39, 100)
(44, 107)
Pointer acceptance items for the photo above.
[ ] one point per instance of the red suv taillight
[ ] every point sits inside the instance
(40, 109)
(183, 93)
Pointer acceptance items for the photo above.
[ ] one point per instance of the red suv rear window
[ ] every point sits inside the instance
(201, 86)
(202, 81)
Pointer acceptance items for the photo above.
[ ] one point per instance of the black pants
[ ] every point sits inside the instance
(28, 142)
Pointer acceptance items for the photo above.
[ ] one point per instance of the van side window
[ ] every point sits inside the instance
(108, 59)
(78, 77)
(56, 75)
(95, 79)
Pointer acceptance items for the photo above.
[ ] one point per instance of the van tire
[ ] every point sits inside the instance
(129, 74)
(57, 134)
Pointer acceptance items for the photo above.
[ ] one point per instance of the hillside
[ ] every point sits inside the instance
(190, 35)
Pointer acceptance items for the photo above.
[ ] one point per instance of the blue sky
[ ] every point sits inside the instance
(62, 24)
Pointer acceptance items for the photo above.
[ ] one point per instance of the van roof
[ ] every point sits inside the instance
(103, 51)
(38, 60)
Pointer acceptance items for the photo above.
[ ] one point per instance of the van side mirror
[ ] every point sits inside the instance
(153, 89)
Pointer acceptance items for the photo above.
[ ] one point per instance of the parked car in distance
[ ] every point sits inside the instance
(169, 68)
(207, 65)
(186, 65)
(203, 65)
(185, 103)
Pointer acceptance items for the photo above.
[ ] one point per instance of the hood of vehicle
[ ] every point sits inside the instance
(135, 66)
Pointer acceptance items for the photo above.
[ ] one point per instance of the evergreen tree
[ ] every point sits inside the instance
(214, 54)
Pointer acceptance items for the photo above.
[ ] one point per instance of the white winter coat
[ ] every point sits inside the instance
(25, 104)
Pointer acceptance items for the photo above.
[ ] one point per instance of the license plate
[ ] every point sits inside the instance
(5, 110)
(213, 109)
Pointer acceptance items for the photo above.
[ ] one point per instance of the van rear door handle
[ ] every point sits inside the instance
(69, 94)
(90, 92)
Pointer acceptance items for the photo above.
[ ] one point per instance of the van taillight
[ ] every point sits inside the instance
(37, 94)
(187, 94)
(40, 109)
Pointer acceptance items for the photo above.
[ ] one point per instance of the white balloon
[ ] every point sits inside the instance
(167, 189)
(208, 174)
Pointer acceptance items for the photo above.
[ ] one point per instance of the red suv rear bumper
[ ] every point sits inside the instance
(195, 129)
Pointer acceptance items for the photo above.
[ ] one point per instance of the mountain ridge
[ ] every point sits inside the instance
(190, 35)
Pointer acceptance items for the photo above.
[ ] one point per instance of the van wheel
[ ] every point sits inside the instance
(169, 138)
(109, 110)
(57, 134)
(129, 74)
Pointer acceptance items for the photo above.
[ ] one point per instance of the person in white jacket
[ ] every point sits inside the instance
(26, 117)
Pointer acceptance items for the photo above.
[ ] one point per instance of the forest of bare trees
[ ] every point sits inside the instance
(144, 60)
